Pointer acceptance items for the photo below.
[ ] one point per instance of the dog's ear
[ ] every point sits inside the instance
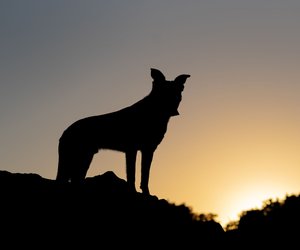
(181, 79)
(157, 76)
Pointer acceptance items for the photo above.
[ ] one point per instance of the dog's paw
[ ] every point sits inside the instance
(145, 191)
(132, 189)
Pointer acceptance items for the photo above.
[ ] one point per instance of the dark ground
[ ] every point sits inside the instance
(103, 214)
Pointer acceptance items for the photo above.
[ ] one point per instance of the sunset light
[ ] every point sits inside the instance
(249, 197)
(236, 142)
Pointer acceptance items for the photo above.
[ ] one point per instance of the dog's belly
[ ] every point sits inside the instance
(108, 132)
(123, 144)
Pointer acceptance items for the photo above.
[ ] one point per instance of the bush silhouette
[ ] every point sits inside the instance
(276, 223)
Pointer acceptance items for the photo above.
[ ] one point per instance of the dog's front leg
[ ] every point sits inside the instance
(147, 156)
(130, 168)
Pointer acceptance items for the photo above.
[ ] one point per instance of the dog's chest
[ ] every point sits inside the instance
(152, 130)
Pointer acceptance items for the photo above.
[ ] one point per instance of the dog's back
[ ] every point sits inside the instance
(139, 127)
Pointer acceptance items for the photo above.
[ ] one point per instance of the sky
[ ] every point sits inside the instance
(236, 142)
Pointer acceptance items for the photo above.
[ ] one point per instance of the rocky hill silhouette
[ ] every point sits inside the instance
(100, 212)
(103, 213)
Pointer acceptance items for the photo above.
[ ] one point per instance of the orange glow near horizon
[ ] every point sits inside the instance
(236, 141)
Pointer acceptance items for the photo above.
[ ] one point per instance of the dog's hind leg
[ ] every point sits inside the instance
(63, 172)
(81, 165)
(130, 168)
(64, 164)
(147, 156)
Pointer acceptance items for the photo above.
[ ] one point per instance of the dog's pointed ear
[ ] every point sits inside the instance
(157, 76)
(181, 79)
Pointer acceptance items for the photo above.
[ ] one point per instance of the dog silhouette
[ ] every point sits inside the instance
(139, 127)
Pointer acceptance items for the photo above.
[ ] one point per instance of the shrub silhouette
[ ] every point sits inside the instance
(275, 224)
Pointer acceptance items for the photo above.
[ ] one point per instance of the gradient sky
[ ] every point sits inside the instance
(237, 140)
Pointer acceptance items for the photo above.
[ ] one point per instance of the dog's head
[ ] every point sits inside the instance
(168, 93)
